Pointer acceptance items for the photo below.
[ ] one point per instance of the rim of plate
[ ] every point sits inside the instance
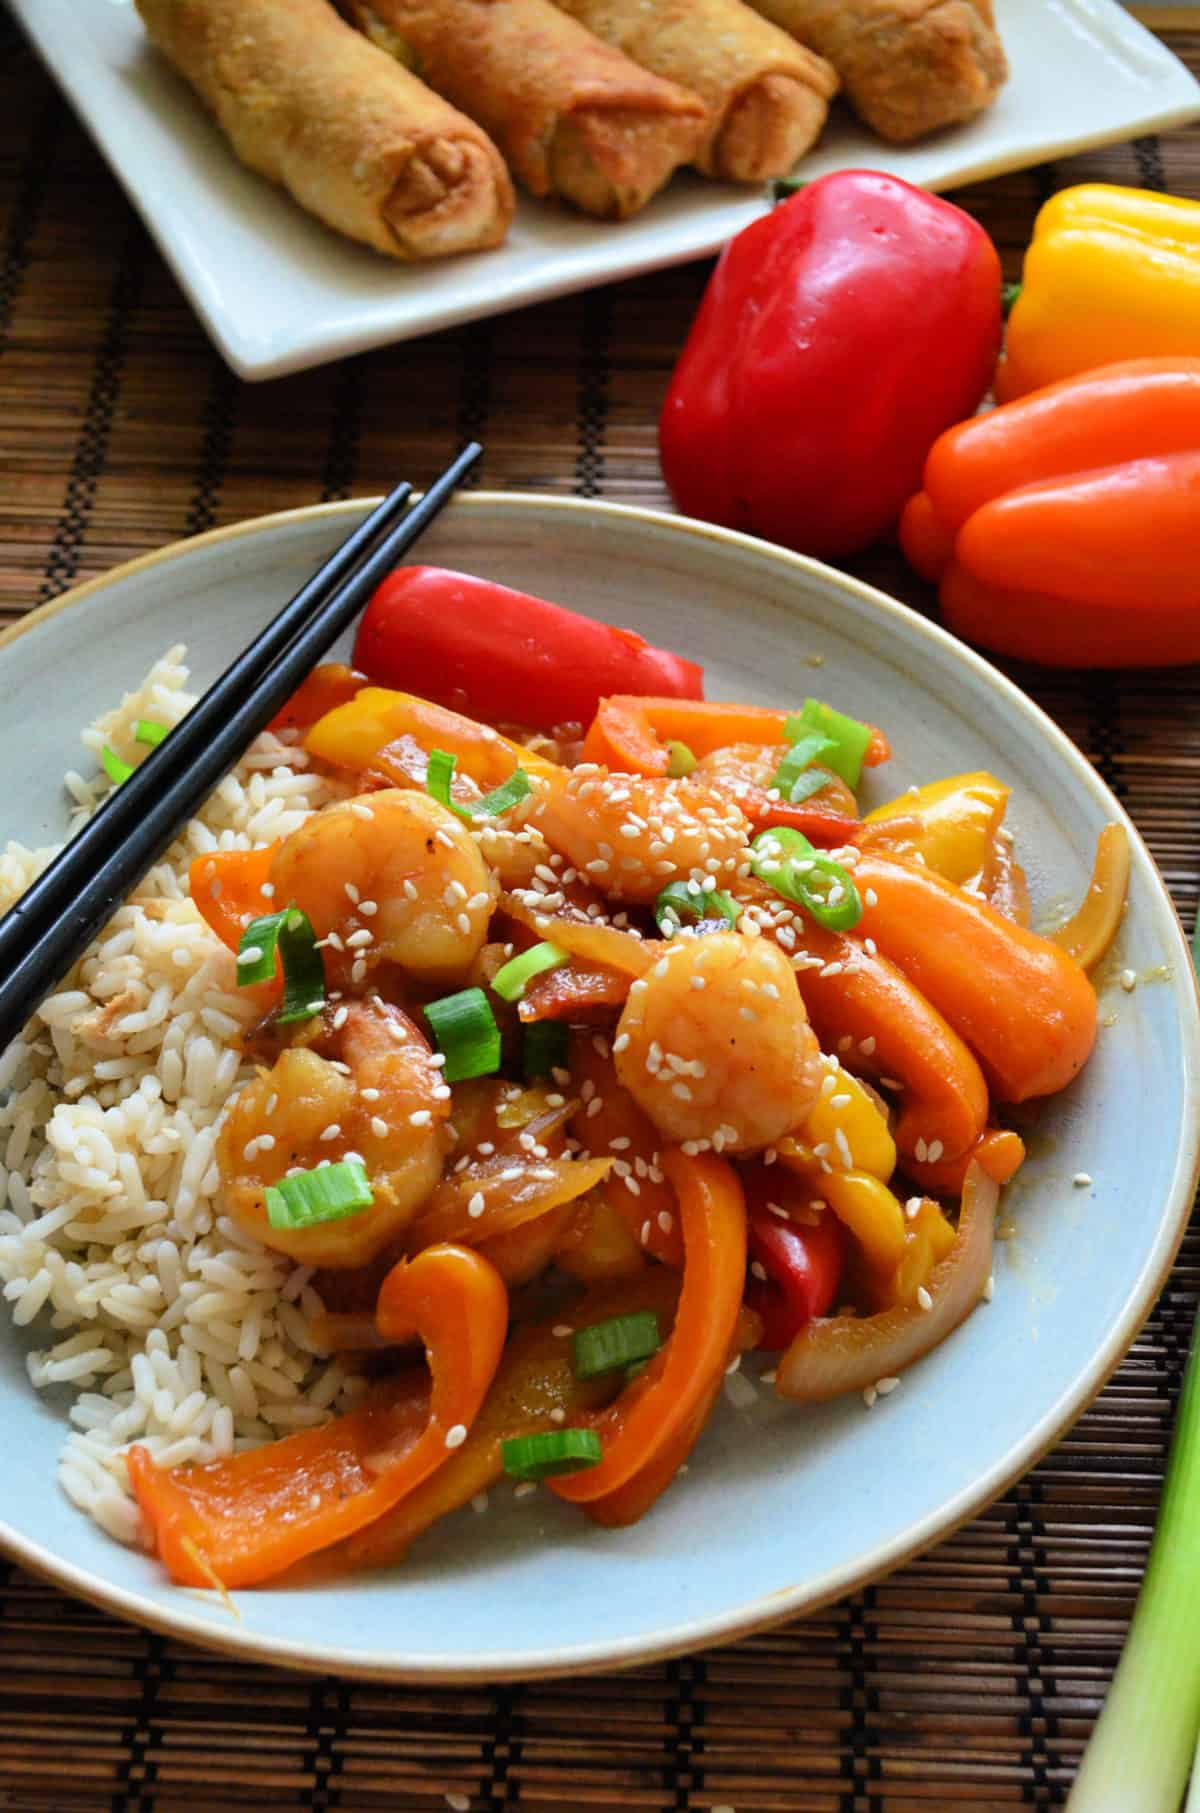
(786, 1602)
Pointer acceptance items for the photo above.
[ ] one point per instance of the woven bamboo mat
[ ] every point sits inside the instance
(968, 1680)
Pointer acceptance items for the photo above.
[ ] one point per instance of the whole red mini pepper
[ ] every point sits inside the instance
(505, 656)
(839, 335)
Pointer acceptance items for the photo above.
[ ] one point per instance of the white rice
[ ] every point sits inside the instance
(167, 1323)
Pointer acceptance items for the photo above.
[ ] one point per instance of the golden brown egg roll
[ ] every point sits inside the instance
(766, 95)
(572, 115)
(909, 67)
(358, 141)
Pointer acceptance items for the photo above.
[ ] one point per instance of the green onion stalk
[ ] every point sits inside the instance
(1144, 1742)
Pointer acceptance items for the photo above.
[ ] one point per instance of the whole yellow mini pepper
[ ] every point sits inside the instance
(1110, 274)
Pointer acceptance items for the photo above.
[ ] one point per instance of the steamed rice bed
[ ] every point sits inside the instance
(166, 1322)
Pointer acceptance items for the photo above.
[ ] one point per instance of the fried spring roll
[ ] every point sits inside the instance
(766, 95)
(573, 116)
(909, 67)
(358, 141)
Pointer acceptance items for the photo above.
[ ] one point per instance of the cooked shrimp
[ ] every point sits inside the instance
(367, 1084)
(390, 875)
(631, 836)
(742, 770)
(715, 1045)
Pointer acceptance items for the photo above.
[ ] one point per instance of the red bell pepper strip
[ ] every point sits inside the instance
(803, 1262)
(241, 1521)
(331, 684)
(651, 1411)
(504, 656)
(839, 335)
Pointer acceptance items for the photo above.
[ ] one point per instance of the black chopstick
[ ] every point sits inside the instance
(50, 927)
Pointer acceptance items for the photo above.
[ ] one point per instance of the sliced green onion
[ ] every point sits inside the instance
(1141, 1749)
(848, 737)
(554, 1451)
(676, 904)
(787, 862)
(795, 777)
(465, 1029)
(148, 730)
(682, 760)
(329, 1193)
(290, 933)
(511, 982)
(439, 777)
(545, 1048)
(1009, 293)
(621, 1341)
(116, 770)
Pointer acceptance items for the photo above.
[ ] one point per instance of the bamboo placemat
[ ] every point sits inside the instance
(967, 1680)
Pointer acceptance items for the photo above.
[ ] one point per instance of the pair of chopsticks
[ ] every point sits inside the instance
(54, 921)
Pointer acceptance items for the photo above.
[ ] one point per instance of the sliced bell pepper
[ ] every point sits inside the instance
(951, 824)
(631, 734)
(226, 887)
(802, 1260)
(240, 1521)
(998, 1151)
(846, 1113)
(1089, 932)
(535, 1378)
(1110, 273)
(1024, 1006)
(503, 655)
(331, 684)
(1060, 525)
(600, 1245)
(379, 732)
(662, 1399)
(620, 1128)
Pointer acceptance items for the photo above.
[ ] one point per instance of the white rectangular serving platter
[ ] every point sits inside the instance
(278, 292)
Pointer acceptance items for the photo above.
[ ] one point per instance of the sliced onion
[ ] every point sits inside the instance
(1092, 927)
(847, 1353)
(606, 945)
(513, 1191)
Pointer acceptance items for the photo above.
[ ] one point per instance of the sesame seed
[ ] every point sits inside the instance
(594, 1107)
(562, 1331)
(885, 1387)
(410, 890)
(421, 1117)
(666, 1220)
(869, 1396)
(479, 1503)
(359, 810)
(989, 1289)
(458, 1803)
(368, 908)
(924, 1300)
(1082, 1180)
(251, 954)
(332, 1131)
(558, 1414)
(921, 1151)
(734, 1364)
(358, 970)
(525, 1490)
(621, 1042)
(379, 1126)
(935, 1150)
(1128, 981)
(456, 1436)
(341, 1015)
(758, 1270)
(867, 1047)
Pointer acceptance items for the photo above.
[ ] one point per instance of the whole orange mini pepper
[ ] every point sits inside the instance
(1060, 527)
(1025, 1008)
(240, 1521)
(662, 1400)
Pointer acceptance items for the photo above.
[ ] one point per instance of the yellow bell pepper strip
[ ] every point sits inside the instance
(850, 1110)
(867, 1010)
(998, 1151)
(620, 1128)
(869, 1211)
(1060, 525)
(536, 1377)
(1089, 932)
(390, 733)
(928, 1239)
(1024, 1006)
(240, 1521)
(632, 734)
(1110, 273)
(951, 824)
(662, 1399)
(848, 1353)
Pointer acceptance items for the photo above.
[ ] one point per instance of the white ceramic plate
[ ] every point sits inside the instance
(278, 292)
(782, 1508)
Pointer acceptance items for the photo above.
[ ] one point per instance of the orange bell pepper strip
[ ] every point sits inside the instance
(240, 1521)
(331, 684)
(865, 1009)
(535, 1378)
(631, 734)
(998, 1151)
(1089, 932)
(368, 735)
(618, 1128)
(226, 887)
(1024, 1007)
(662, 1399)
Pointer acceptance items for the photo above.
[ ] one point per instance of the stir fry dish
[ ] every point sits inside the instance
(587, 1061)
